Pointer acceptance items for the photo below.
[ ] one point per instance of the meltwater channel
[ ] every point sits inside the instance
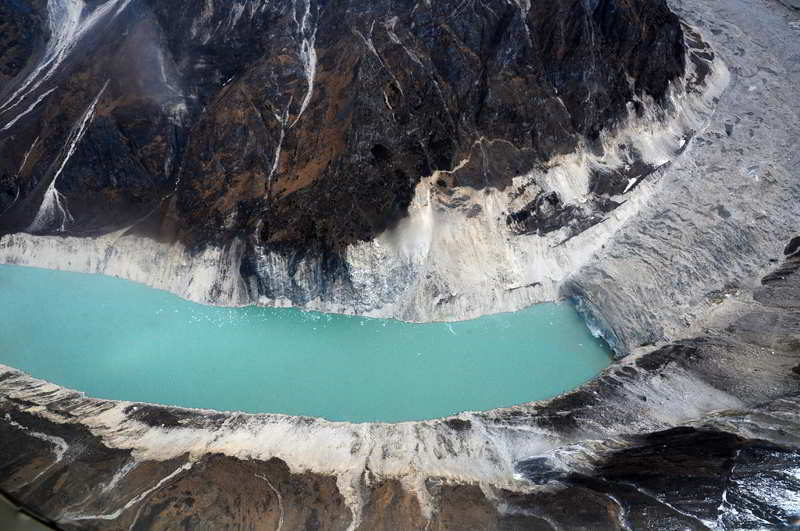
(115, 339)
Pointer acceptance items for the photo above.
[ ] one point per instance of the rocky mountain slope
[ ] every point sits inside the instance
(303, 143)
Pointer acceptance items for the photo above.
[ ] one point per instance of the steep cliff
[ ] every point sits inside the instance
(300, 133)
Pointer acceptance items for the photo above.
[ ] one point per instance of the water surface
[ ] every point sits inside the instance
(115, 339)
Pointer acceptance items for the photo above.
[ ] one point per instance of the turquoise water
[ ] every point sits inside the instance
(114, 339)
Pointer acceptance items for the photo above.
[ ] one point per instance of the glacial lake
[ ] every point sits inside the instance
(115, 339)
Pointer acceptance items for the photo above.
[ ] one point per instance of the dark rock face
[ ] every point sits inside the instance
(21, 27)
(685, 478)
(548, 213)
(304, 125)
(793, 247)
